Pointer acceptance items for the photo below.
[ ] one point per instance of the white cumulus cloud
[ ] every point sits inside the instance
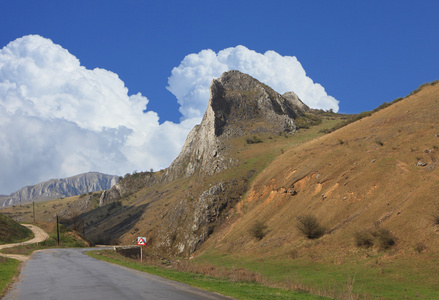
(190, 81)
(58, 119)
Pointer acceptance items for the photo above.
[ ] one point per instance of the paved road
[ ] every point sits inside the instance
(70, 274)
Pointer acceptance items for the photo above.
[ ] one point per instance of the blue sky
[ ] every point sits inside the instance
(361, 53)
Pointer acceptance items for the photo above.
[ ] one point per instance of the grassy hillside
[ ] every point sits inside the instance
(371, 185)
(13, 232)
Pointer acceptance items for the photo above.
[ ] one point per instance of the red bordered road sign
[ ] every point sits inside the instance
(141, 241)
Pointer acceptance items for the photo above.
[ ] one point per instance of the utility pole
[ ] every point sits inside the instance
(57, 230)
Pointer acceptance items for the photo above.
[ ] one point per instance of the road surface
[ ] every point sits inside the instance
(70, 274)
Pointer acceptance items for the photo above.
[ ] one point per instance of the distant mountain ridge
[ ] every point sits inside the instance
(57, 188)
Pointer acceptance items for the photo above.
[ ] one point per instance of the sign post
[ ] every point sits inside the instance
(141, 241)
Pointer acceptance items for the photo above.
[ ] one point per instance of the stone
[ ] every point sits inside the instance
(421, 163)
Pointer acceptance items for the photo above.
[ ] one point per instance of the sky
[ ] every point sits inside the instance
(115, 86)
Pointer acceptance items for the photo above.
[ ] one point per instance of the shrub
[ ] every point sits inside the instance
(385, 238)
(364, 239)
(420, 247)
(258, 230)
(254, 140)
(379, 142)
(380, 236)
(309, 226)
(307, 120)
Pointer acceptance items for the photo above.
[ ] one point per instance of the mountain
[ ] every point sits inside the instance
(240, 107)
(57, 188)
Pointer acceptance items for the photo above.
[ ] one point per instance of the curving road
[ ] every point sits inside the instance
(70, 274)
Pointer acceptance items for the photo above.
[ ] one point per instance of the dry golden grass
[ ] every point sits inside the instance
(351, 186)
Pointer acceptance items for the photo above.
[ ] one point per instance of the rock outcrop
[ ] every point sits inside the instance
(65, 187)
(238, 105)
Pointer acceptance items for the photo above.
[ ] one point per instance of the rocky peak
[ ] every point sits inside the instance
(238, 105)
(64, 187)
(239, 99)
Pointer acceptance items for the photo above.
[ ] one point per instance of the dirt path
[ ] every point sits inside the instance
(40, 236)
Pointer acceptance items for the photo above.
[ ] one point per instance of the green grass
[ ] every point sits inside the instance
(8, 269)
(66, 240)
(398, 279)
(224, 286)
(13, 232)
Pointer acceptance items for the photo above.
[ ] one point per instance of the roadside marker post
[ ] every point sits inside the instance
(141, 241)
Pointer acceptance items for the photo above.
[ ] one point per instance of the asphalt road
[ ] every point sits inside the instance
(70, 274)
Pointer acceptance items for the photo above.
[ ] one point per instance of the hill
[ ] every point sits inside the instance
(12, 232)
(374, 174)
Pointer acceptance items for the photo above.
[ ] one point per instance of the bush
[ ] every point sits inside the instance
(385, 238)
(364, 239)
(420, 247)
(310, 227)
(379, 142)
(258, 230)
(254, 140)
(380, 236)
(307, 120)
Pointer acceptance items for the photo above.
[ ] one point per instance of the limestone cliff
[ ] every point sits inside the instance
(238, 105)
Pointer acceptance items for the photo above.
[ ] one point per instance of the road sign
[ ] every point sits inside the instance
(141, 241)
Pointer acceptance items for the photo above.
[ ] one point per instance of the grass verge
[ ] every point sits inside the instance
(375, 277)
(8, 269)
(224, 285)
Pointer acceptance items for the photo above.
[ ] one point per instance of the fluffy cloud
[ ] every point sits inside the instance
(59, 119)
(190, 81)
